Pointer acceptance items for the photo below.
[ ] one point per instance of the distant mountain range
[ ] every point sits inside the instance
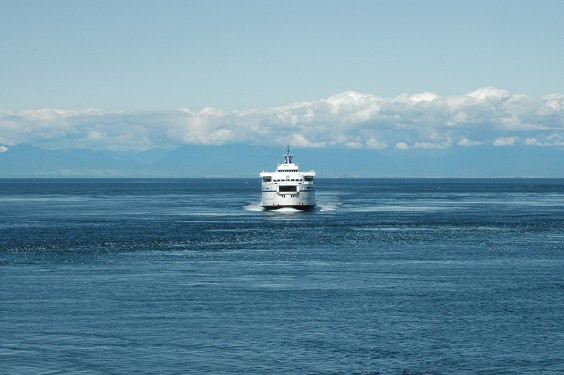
(238, 160)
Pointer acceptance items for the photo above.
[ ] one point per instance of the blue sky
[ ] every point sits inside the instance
(136, 75)
(154, 55)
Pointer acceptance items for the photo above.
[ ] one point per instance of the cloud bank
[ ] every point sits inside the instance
(488, 116)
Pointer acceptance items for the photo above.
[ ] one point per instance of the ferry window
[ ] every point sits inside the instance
(266, 179)
(287, 189)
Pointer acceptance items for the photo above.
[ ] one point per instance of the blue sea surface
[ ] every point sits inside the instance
(434, 276)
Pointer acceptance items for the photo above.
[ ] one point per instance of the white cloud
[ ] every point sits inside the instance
(401, 146)
(349, 119)
(424, 97)
(431, 145)
(532, 142)
(94, 135)
(376, 144)
(465, 142)
(489, 94)
(3, 148)
(355, 145)
(553, 140)
(507, 141)
(299, 140)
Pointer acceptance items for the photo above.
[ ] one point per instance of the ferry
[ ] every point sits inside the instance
(288, 187)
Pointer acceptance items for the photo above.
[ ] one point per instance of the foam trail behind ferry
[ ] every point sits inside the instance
(253, 207)
(286, 210)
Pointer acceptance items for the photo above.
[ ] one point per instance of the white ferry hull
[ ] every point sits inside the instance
(302, 200)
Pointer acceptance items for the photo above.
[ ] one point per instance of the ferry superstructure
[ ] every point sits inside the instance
(288, 187)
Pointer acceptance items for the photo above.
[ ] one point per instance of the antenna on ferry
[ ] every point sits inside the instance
(288, 157)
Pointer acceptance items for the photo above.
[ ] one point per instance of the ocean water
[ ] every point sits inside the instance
(191, 276)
